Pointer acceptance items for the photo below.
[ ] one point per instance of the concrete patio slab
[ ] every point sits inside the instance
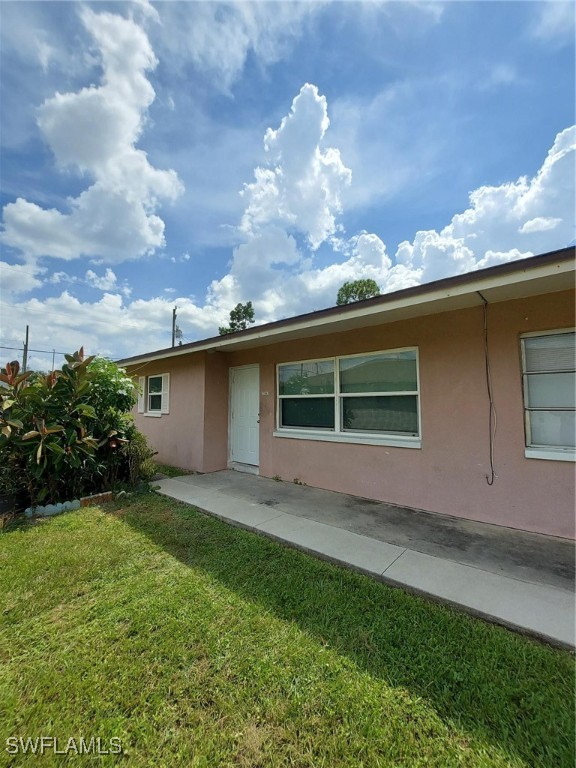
(535, 608)
(178, 490)
(247, 513)
(244, 513)
(347, 548)
(519, 554)
(521, 580)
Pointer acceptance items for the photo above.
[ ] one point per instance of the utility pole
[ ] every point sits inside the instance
(174, 326)
(25, 353)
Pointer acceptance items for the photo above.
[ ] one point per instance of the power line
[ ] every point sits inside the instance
(20, 269)
(47, 351)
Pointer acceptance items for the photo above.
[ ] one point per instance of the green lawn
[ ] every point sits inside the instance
(169, 471)
(199, 644)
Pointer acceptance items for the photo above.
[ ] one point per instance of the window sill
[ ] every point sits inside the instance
(153, 415)
(332, 437)
(550, 454)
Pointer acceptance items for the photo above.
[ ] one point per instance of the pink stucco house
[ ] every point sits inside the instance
(455, 397)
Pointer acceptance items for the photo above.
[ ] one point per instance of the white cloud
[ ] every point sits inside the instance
(554, 22)
(502, 74)
(19, 278)
(389, 155)
(295, 257)
(94, 131)
(302, 189)
(524, 217)
(111, 326)
(539, 224)
(219, 37)
(105, 282)
(147, 10)
(506, 222)
(366, 258)
(493, 258)
(45, 53)
(297, 194)
(62, 277)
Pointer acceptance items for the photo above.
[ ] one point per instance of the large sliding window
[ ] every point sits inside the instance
(361, 398)
(549, 376)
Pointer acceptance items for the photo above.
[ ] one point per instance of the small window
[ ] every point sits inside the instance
(549, 378)
(154, 394)
(306, 392)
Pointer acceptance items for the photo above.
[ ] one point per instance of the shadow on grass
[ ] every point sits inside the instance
(23, 524)
(508, 690)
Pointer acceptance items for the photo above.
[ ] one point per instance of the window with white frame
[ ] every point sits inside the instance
(372, 395)
(549, 378)
(154, 398)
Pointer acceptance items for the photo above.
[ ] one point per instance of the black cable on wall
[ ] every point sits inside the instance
(492, 409)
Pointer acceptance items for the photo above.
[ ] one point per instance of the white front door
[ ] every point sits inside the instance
(244, 416)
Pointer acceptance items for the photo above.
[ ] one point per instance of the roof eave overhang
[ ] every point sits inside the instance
(443, 296)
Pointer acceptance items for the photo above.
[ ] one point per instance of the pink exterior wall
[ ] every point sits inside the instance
(447, 474)
(178, 436)
(194, 435)
(216, 413)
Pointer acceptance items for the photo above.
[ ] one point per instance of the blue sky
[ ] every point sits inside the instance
(201, 154)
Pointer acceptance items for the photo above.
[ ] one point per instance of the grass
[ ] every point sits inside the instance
(169, 471)
(202, 645)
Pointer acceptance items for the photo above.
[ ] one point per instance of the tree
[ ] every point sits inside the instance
(357, 290)
(240, 318)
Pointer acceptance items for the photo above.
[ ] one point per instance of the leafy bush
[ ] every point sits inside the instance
(111, 389)
(139, 457)
(64, 434)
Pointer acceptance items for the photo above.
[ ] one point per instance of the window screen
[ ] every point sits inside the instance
(549, 373)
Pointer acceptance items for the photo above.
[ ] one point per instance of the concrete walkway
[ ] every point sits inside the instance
(522, 580)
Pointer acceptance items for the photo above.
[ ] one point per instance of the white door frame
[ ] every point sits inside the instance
(251, 468)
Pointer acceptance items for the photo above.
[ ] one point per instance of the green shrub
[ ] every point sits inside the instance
(139, 455)
(65, 434)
